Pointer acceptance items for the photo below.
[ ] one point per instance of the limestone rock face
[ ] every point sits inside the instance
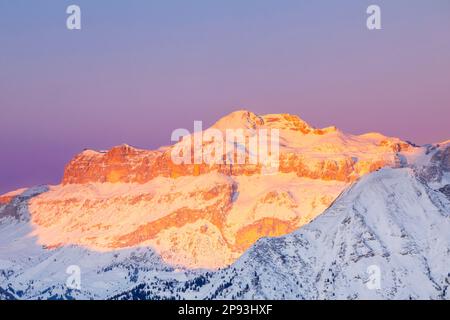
(326, 154)
(120, 164)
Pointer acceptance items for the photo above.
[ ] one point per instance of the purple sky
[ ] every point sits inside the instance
(139, 69)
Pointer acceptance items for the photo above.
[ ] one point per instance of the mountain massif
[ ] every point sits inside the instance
(140, 226)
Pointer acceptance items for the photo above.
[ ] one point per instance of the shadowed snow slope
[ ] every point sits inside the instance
(389, 221)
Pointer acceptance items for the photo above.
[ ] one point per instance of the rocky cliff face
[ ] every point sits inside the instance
(326, 154)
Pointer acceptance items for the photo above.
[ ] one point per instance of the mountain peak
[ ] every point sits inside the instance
(240, 119)
(244, 119)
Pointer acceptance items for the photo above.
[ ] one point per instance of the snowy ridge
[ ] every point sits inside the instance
(388, 219)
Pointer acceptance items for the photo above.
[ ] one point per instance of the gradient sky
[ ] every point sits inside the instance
(139, 69)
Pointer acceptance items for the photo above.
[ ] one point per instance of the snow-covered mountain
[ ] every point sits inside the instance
(199, 215)
(135, 237)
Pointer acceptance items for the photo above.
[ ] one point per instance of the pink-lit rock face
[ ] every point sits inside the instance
(326, 154)
(202, 215)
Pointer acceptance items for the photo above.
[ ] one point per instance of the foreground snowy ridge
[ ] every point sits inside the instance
(394, 220)
(389, 220)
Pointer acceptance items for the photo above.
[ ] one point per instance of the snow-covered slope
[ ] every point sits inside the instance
(389, 222)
